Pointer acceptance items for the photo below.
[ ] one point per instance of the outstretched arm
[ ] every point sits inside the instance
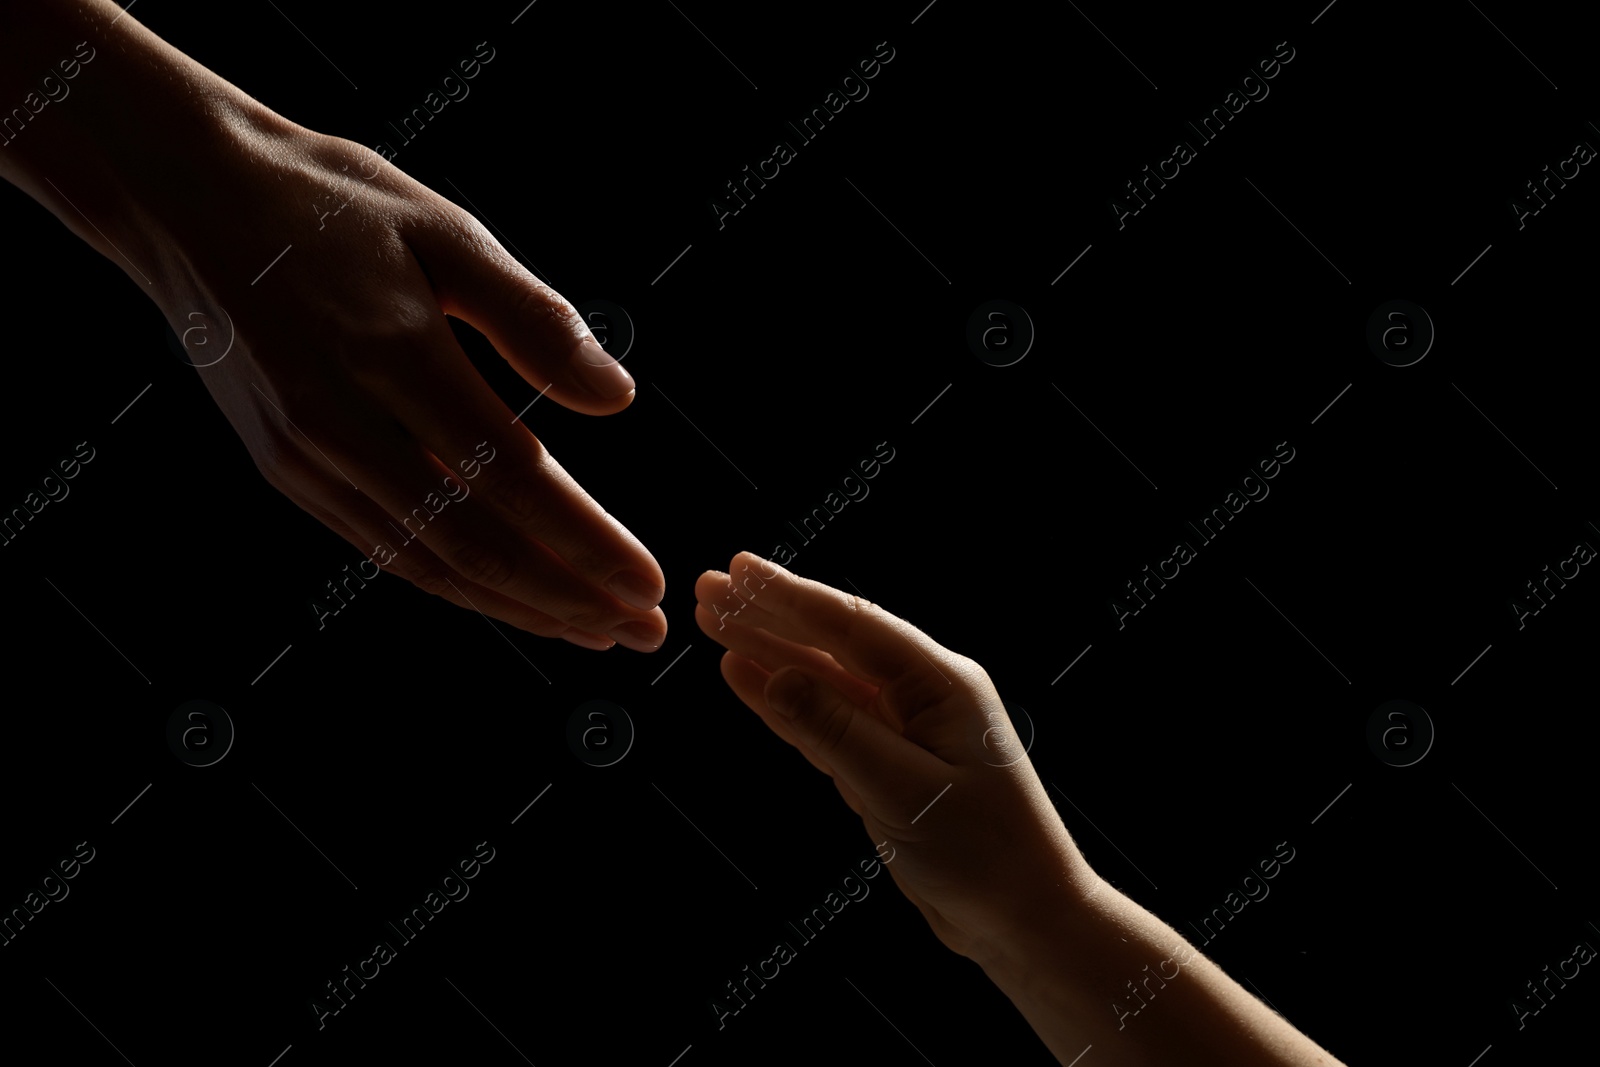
(919, 745)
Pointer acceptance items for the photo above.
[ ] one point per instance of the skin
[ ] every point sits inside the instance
(344, 380)
(353, 399)
(894, 718)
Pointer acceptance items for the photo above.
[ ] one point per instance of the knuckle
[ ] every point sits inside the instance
(832, 730)
(591, 620)
(543, 306)
(589, 559)
(519, 497)
(349, 157)
(972, 673)
(481, 564)
(461, 226)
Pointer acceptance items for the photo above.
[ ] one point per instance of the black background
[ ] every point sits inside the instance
(1222, 720)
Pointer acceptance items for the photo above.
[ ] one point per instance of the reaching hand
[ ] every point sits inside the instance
(311, 280)
(355, 400)
(914, 736)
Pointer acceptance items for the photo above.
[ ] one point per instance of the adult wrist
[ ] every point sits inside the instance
(117, 150)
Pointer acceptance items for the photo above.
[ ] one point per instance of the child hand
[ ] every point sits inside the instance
(915, 738)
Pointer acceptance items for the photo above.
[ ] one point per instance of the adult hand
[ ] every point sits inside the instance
(355, 400)
(333, 271)
(915, 738)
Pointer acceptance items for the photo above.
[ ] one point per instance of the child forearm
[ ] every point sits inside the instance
(1102, 971)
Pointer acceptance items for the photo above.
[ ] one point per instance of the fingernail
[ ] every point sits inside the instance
(633, 590)
(585, 641)
(637, 636)
(603, 375)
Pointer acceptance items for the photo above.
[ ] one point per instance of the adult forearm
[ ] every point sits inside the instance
(103, 122)
(1102, 971)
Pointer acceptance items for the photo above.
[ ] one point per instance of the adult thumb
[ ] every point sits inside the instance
(531, 325)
